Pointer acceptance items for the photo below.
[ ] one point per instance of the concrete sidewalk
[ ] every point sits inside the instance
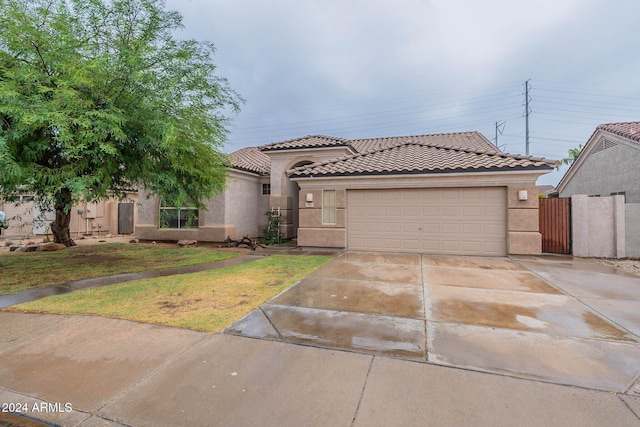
(91, 371)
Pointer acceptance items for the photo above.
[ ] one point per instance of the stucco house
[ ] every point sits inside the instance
(607, 165)
(453, 193)
(110, 216)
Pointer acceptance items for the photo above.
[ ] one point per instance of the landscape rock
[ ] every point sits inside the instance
(28, 248)
(13, 247)
(134, 241)
(184, 243)
(51, 247)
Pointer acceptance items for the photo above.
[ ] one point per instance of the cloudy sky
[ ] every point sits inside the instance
(371, 68)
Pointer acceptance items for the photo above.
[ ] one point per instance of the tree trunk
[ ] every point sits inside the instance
(60, 227)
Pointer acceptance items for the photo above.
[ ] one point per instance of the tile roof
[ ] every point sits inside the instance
(421, 157)
(309, 141)
(251, 159)
(630, 130)
(470, 140)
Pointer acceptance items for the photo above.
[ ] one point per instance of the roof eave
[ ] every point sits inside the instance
(424, 172)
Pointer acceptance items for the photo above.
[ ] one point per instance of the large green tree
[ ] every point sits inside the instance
(101, 96)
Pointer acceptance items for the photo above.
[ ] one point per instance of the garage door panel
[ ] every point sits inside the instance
(450, 228)
(472, 246)
(412, 245)
(430, 246)
(393, 244)
(456, 221)
(493, 194)
(472, 228)
(449, 211)
(492, 229)
(472, 211)
(393, 227)
(431, 229)
(412, 212)
(471, 194)
(409, 195)
(451, 246)
(492, 211)
(448, 194)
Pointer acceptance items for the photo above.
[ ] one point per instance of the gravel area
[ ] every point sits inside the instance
(631, 266)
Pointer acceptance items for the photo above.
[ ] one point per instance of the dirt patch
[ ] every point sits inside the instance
(85, 241)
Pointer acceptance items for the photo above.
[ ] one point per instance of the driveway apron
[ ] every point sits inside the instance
(529, 317)
(371, 303)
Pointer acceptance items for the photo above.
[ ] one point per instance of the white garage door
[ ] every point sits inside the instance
(465, 221)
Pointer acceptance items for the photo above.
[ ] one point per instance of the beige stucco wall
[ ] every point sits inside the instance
(632, 229)
(235, 213)
(523, 236)
(285, 192)
(242, 205)
(598, 226)
(593, 174)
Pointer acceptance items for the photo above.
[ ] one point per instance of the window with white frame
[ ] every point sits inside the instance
(329, 209)
(177, 216)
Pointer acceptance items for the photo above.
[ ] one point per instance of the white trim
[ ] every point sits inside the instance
(478, 179)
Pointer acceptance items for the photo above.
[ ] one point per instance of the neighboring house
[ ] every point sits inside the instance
(446, 193)
(609, 165)
(107, 217)
(546, 190)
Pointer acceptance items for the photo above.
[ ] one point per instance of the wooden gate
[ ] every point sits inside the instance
(555, 225)
(125, 218)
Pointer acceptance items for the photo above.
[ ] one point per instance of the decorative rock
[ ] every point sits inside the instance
(28, 248)
(8, 242)
(134, 241)
(50, 247)
(183, 243)
(13, 247)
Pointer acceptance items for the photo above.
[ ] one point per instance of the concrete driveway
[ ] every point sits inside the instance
(553, 319)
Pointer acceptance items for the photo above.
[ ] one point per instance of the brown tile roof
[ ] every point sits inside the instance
(630, 130)
(421, 157)
(470, 140)
(251, 159)
(309, 141)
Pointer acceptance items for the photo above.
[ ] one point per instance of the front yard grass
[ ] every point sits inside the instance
(205, 301)
(38, 269)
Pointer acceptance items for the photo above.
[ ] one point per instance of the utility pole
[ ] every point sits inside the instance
(527, 86)
(499, 128)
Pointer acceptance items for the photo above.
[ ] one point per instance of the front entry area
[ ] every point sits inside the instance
(460, 221)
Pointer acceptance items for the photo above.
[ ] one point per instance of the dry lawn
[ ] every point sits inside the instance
(27, 270)
(205, 301)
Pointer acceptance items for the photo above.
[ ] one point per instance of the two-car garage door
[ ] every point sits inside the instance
(465, 221)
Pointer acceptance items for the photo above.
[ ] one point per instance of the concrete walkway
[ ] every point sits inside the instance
(550, 370)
